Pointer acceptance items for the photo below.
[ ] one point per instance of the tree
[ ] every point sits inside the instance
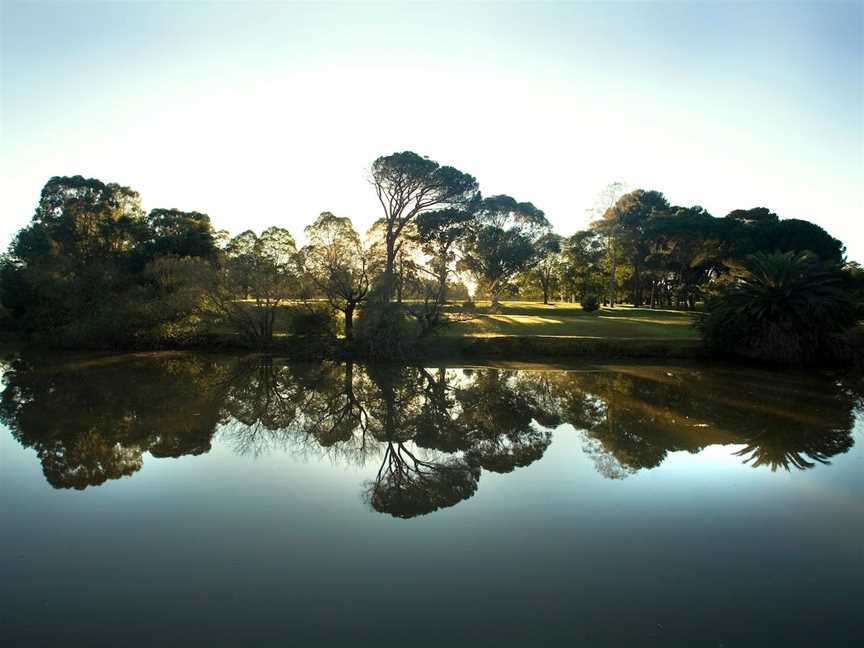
(583, 255)
(83, 220)
(494, 256)
(687, 251)
(67, 270)
(407, 185)
(785, 307)
(265, 267)
(548, 254)
(92, 270)
(794, 235)
(240, 250)
(505, 212)
(629, 221)
(604, 222)
(277, 247)
(178, 233)
(338, 265)
(501, 242)
(439, 233)
(760, 230)
(754, 216)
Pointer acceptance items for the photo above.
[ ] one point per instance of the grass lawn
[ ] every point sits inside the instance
(561, 320)
(569, 320)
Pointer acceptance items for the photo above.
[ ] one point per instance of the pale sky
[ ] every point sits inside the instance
(269, 113)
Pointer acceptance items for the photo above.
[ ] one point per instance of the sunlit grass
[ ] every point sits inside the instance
(569, 320)
(562, 320)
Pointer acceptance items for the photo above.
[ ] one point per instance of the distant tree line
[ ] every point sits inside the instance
(93, 269)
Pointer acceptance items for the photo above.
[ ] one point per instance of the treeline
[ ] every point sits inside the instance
(645, 251)
(93, 269)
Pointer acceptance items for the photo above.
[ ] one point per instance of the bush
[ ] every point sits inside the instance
(383, 331)
(590, 303)
(788, 308)
(310, 322)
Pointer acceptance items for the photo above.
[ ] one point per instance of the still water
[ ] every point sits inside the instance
(172, 499)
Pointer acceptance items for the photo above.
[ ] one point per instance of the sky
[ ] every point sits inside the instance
(266, 114)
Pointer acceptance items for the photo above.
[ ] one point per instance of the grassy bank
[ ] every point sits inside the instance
(516, 330)
(529, 319)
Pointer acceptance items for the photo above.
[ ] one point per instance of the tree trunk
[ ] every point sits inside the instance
(349, 322)
(493, 297)
(349, 383)
(613, 263)
(442, 285)
(389, 268)
(400, 278)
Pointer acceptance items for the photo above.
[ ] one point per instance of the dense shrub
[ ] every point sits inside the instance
(788, 308)
(590, 303)
(311, 322)
(384, 331)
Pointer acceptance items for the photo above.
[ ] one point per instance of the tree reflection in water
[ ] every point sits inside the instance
(91, 419)
(407, 486)
(425, 434)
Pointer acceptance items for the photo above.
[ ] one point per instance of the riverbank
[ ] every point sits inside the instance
(512, 347)
(516, 331)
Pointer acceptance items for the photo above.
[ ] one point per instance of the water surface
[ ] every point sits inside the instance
(173, 499)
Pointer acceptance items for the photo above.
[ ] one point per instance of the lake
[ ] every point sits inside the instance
(177, 499)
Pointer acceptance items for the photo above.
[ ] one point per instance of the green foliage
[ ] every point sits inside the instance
(311, 322)
(408, 185)
(505, 212)
(384, 330)
(501, 242)
(256, 278)
(338, 265)
(582, 263)
(547, 268)
(590, 303)
(180, 234)
(786, 307)
(92, 269)
(750, 231)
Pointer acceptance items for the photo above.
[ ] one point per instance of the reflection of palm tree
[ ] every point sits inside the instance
(407, 486)
(778, 448)
(632, 417)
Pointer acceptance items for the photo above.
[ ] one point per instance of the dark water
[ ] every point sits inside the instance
(202, 500)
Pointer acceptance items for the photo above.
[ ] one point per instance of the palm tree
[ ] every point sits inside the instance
(785, 307)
